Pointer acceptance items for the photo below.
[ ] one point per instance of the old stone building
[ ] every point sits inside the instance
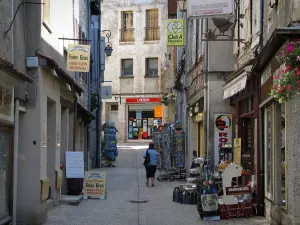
(139, 68)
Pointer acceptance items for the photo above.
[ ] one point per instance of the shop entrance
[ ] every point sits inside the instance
(141, 121)
(5, 158)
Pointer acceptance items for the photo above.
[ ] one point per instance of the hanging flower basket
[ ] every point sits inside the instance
(287, 83)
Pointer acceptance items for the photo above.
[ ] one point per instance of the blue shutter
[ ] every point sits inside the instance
(102, 51)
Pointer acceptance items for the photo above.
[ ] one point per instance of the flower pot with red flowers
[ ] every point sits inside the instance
(287, 83)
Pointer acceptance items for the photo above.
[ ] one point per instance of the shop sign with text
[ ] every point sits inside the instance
(78, 59)
(209, 8)
(158, 111)
(95, 184)
(143, 100)
(175, 33)
(223, 132)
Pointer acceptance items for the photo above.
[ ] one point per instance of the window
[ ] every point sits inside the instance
(283, 161)
(152, 29)
(127, 30)
(152, 67)
(46, 11)
(269, 152)
(127, 67)
(114, 108)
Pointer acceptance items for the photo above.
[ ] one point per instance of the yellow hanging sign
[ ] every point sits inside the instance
(78, 59)
(175, 32)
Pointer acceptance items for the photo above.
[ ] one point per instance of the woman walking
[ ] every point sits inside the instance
(150, 163)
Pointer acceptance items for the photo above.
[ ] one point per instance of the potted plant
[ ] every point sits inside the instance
(287, 83)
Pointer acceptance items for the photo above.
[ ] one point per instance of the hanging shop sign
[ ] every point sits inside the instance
(95, 184)
(106, 92)
(6, 103)
(223, 132)
(143, 100)
(209, 8)
(175, 32)
(158, 111)
(74, 165)
(78, 59)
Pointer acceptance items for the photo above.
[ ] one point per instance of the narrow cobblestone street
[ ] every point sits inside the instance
(125, 183)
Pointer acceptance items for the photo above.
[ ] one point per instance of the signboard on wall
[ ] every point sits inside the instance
(158, 111)
(95, 184)
(78, 59)
(106, 92)
(209, 8)
(175, 32)
(223, 132)
(143, 100)
(74, 165)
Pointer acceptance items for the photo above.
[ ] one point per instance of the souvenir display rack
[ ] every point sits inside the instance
(110, 143)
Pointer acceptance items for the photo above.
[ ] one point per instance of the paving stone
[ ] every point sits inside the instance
(126, 182)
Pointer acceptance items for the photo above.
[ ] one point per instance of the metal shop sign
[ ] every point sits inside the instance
(175, 32)
(223, 132)
(78, 59)
(95, 184)
(209, 8)
(238, 190)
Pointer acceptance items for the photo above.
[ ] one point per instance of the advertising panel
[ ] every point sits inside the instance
(209, 8)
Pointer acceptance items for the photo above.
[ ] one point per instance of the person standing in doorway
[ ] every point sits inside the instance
(150, 163)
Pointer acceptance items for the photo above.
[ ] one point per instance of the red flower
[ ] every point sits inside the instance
(298, 73)
(289, 87)
(276, 77)
(290, 48)
(275, 87)
(287, 68)
(296, 69)
(281, 89)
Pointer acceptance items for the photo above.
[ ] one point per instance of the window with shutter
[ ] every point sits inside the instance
(152, 27)
(127, 30)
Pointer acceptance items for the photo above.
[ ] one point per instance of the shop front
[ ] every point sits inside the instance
(144, 115)
(9, 77)
(242, 91)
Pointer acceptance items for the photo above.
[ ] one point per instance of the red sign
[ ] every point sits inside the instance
(142, 100)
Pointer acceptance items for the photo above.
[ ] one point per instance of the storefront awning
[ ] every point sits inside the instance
(10, 68)
(62, 73)
(236, 85)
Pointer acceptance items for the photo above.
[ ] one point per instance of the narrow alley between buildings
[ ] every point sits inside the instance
(126, 183)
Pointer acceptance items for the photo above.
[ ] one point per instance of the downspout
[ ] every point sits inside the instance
(74, 127)
(206, 117)
(260, 156)
(12, 32)
(16, 154)
(89, 86)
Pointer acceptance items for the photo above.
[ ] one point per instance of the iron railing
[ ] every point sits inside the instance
(152, 33)
(127, 35)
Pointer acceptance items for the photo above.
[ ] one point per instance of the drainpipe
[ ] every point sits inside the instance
(12, 32)
(74, 127)
(206, 116)
(260, 155)
(16, 154)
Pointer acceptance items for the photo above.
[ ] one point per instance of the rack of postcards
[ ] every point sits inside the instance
(169, 142)
(110, 142)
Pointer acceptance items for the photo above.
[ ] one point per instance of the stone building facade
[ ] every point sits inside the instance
(139, 68)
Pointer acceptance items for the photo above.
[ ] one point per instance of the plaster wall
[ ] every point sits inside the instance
(139, 50)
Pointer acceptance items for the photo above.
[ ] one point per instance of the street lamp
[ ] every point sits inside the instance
(108, 49)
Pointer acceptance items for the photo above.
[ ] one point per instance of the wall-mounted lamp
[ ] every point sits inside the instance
(197, 108)
(108, 49)
(191, 112)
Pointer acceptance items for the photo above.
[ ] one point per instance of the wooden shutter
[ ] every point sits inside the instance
(152, 18)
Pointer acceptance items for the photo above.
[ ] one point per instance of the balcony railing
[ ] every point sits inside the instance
(152, 33)
(127, 35)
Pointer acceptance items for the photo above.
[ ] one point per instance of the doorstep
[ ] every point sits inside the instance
(5, 220)
(70, 199)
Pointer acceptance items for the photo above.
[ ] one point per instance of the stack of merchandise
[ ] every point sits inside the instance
(178, 138)
(185, 194)
(110, 142)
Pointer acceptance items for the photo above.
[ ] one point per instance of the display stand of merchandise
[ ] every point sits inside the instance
(110, 144)
(170, 143)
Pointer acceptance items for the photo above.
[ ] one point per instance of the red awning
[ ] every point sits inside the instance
(7, 66)
(61, 72)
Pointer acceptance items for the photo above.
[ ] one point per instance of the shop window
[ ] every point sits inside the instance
(114, 108)
(268, 143)
(127, 67)
(283, 152)
(152, 67)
